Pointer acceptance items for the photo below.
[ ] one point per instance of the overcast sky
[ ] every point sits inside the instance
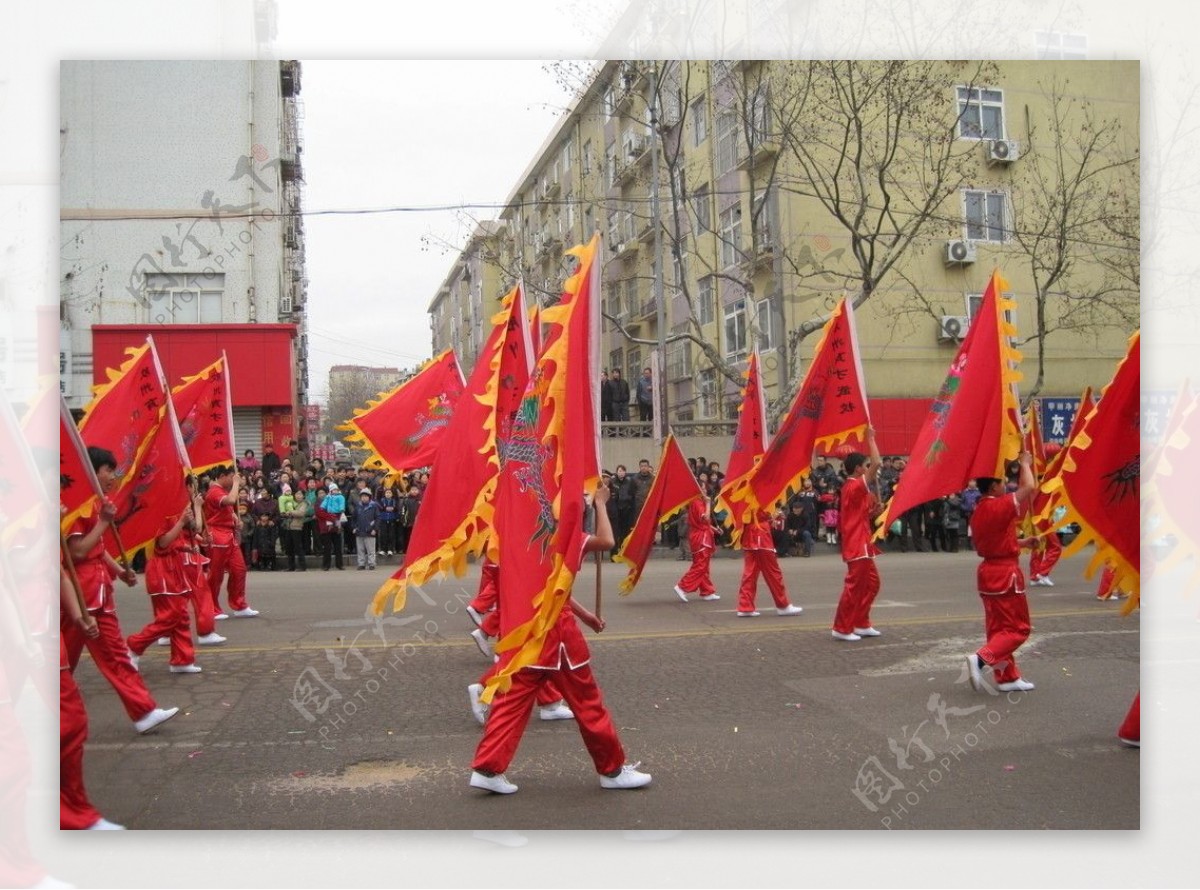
(404, 134)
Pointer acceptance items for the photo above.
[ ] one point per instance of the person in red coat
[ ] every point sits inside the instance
(760, 558)
(564, 659)
(167, 583)
(702, 541)
(225, 551)
(96, 571)
(852, 621)
(1000, 581)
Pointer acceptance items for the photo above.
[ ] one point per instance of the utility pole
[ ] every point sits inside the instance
(660, 415)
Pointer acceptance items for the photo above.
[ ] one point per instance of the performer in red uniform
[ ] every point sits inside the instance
(760, 558)
(702, 541)
(1043, 557)
(565, 660)
(167, 584)
(1001, 584)
(225, 552)
(74, 808)
(853, 618)
(96, 571)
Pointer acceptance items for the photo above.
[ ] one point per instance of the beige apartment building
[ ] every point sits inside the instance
(739, 200)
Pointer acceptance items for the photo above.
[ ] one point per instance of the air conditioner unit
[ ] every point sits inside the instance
(1002, 151)
(953, 327)
(959, 252)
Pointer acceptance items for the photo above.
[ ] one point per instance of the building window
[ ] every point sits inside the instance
(731, 235)
(613, 300)
(981, 113)
(985, 216)
(707, 380)
(679, 360)
(760, 115)
(727, 147)
(699, 121)
(1055, 45)
(587, 156)
(735, 330)
(189, 298)
(610, 164)
(633, 365)
(975, 303)
(631, 297)
(768, 335)
(705, 301)
(567, 151)
(701, 204)
(609, 102)
(615, 358)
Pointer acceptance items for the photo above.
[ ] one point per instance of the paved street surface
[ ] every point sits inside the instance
(311, 717)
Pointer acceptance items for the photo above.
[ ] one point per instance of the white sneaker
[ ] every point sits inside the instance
(245, 613)
(681, 593)
(556, 711)
(1046, 582)
(220, 616)
(1129, 743)
(186, 668)
(475, 615)
(754, 614)
(628, 777)
(478, 708)
(212, 639)
(497, 784)
(709, 597)
(867, 632)
(791, 609)
(163, 641)
(482, 642)
(103, 824)
(155, 718)
(849, 638)
(1017, 685)
(975, 672)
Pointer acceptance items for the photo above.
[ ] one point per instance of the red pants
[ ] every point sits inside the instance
(763, 562)
(222, 557)
(489, 593)
(1105, 591)
(75, 811)
(1044, 557)
(170, 620)
(202, 608)
(1006, 623)
(1131, 726)
(111, 655)
(547, 692)
(510, 712)
(858, 593)
(698, 578)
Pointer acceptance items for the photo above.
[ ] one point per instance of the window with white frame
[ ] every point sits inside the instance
(587, 156)
(609, 102)
(981, 113)
(187, 298)
(633, 364)
(735, 330)
(707, 380)
(679, 265)
(614, 228)
(610, 164)
(699, 121)
(727, 146)
(615, 358)
(975, 303)
(701, 206)
(768, 333)
(760, 115)
(705, 301)
(567, 150)
(730, 227)
(631, 297)
(679, 360)
(612, 293)
(984, 214)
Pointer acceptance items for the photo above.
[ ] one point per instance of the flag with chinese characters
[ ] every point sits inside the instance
(202, 405)
(674, 487)
(154, 492)
(548, 464)
(1099, 482)
(1043, 503)
(404, 427)
(829, 407)
(124, 411)
(973, 426)
(456, 511)
(749, 444)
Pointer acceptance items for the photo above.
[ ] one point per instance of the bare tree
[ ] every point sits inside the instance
(1076, 220)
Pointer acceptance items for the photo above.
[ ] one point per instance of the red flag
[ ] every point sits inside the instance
(78, 485)
(972, 427)
(1100, 478)
(205, 416)
(1043, 503)
(154, 492)
(1032, 441)
(749, 444)
(404, 427)
(673, 488)
(456, 512)
(830, 406)
(548, 464)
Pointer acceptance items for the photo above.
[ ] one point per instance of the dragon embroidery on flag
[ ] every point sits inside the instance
(440, 410)
(941, 407)
(529, 456)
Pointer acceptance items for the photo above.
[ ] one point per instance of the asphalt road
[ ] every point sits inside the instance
(312, 717)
